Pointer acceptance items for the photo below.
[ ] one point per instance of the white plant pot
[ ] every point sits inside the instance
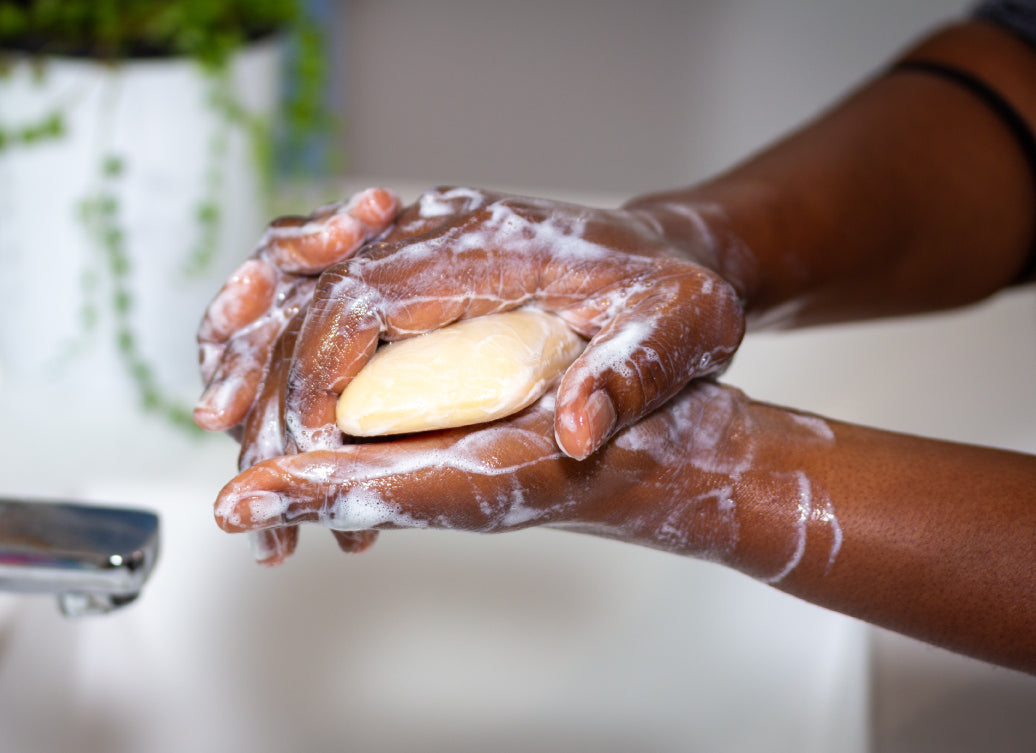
(156, 117)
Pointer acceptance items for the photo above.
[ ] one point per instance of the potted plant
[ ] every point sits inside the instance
(136, 146)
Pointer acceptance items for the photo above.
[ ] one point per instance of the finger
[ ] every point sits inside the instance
(478, 263)
(273, 546)
(236, 378)
(470, 481)
(264, 437)
(435, 208)
(686, 324)
(339, 335)
(309, 245)
(234, 381)
(354, 542)
(261, 440)
(431, 211)
(244, 297)
(374, 207)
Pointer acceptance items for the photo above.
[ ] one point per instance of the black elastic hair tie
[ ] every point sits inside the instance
(1003, 109)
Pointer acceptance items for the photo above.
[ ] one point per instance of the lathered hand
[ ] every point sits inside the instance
(675, 481)
(657, 316)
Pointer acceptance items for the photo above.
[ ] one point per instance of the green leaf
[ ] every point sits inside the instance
(112, 166)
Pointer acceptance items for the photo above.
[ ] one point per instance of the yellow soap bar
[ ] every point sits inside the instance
(474, 371)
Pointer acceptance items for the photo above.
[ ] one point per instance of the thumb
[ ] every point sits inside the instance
(687, 324)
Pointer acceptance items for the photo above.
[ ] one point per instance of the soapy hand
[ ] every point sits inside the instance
(656, 316)
(673, 481)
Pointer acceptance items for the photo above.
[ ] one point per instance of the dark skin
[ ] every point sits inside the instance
(910, 195)
(883, 205)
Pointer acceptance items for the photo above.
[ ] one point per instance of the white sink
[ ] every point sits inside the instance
(430, 641)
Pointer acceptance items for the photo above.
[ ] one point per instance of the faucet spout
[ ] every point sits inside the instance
(94, 559)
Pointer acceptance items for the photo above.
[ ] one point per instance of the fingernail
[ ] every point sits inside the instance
(273, 546)
(244, 297)
(375, 206)
(355, 542)
(599, 418)
(251, 511)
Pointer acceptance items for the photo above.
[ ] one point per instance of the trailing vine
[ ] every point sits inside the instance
(101, 215)
(49, 127)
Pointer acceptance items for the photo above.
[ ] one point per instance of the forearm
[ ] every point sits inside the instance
(932, 539)
(910, 195)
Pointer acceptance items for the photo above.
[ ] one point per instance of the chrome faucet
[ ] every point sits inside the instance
(94, 559)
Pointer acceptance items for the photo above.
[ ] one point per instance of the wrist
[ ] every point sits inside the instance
(731, 481)
(858, 214)
(700, 229)
(751, 223)
(786, 527)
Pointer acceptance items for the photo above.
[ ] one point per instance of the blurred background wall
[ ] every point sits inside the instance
(597, 94)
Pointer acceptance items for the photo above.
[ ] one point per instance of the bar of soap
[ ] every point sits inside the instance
(474, 371)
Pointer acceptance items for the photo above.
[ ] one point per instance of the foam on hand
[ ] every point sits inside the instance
(471, 372)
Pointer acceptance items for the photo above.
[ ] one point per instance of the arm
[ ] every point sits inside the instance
(910, 195)
(929, 538)
(937, 540)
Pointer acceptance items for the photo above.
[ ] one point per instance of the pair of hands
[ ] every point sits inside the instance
(622, 447)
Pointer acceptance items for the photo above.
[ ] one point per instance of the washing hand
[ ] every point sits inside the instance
(656, 316)
(685, 479)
